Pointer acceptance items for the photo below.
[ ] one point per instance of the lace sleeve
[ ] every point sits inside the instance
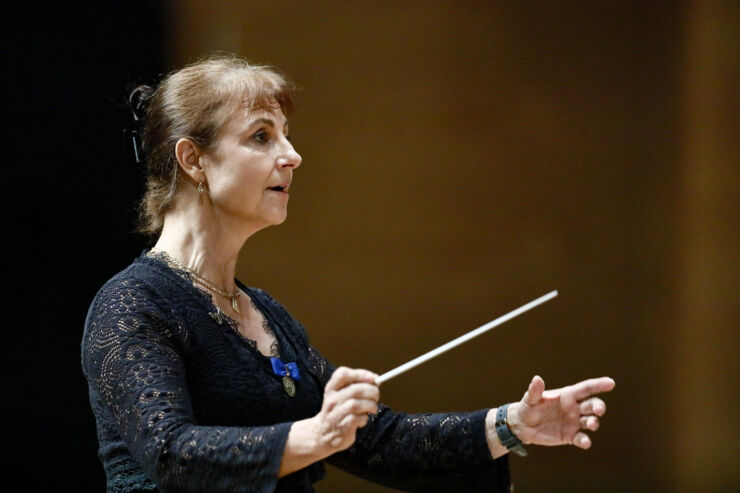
(133, 360)
(426, 452)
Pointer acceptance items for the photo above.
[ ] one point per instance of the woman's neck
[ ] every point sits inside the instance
(202, 246)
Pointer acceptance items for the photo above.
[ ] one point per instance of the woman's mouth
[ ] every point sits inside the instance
(279, 188)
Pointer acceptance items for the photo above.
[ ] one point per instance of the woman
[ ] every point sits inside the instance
(200, 383)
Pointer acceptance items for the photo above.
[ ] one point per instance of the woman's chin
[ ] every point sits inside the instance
(278, 218)
(257, 223)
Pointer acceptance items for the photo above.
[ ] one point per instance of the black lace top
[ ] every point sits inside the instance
(183, 402)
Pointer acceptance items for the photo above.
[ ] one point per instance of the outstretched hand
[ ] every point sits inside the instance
(560, 416)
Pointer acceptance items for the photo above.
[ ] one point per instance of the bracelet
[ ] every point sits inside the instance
(507, 437)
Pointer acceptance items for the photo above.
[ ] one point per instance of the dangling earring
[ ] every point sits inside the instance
(201, 187)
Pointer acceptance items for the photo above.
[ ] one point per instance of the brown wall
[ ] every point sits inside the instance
(462, 158)
(708, 264)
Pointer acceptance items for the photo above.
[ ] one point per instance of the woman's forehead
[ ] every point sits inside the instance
(274, 114)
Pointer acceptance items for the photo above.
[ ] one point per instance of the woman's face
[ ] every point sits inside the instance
(252, 158)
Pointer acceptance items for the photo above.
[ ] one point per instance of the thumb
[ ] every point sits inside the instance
(535, 390)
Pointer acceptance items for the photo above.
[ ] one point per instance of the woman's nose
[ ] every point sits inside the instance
(290, 158)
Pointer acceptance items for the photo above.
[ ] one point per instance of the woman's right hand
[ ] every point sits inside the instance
(349, 397)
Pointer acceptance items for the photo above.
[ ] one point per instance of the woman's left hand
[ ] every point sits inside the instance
(560, 416)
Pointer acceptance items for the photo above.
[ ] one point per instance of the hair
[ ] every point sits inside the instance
(196, 102)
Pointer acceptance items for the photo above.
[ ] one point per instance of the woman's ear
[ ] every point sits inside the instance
(188, 156)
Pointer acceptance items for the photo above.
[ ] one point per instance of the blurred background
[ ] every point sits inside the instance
(460, 158)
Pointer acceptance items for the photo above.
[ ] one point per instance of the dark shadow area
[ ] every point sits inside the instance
(71, 209)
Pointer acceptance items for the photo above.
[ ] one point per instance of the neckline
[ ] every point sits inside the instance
(207, 300)
(287, 351)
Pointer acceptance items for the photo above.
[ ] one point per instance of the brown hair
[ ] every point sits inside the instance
(195, 102)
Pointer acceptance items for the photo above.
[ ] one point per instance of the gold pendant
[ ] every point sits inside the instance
(235, 305)
(289, 386)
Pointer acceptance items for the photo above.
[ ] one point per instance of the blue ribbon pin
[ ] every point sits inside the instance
(285, 369)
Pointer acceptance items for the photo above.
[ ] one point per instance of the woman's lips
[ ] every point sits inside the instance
(280, 188)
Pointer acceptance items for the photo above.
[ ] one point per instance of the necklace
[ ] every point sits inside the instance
(204, 282)
(208, 284)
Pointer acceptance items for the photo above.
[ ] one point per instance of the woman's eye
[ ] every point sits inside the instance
(261, 137)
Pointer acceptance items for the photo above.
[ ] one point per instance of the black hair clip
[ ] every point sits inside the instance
(133, 138)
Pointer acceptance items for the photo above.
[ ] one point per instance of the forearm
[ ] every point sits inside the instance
(303, 447)
(426, 452)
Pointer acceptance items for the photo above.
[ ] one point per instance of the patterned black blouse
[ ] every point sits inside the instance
(183, 402)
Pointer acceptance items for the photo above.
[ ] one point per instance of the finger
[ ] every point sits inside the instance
(334, 398)
(581, 440)
(358, 391)
(587, 388)
(353, 406)
(534, 393)
(349, 421)
(589, 423)
(594, 406)
(344, 376)
(353, 421)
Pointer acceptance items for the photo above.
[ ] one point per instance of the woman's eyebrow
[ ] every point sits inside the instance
(266, 121)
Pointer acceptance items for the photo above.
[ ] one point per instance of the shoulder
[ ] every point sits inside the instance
(136, 283)
(134, 297)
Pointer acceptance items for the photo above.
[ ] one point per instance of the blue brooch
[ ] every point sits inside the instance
(289, 372)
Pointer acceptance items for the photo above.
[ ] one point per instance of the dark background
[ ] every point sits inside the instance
(71, 209)
(460, 159)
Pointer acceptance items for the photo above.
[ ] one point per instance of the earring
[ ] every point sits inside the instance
(201, 187)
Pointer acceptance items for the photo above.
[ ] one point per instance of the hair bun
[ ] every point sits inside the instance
(138, 101)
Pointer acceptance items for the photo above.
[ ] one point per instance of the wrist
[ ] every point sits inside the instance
(495, 446)
(505, 431)
(319, 446)
(303, 447)
(515, 422)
